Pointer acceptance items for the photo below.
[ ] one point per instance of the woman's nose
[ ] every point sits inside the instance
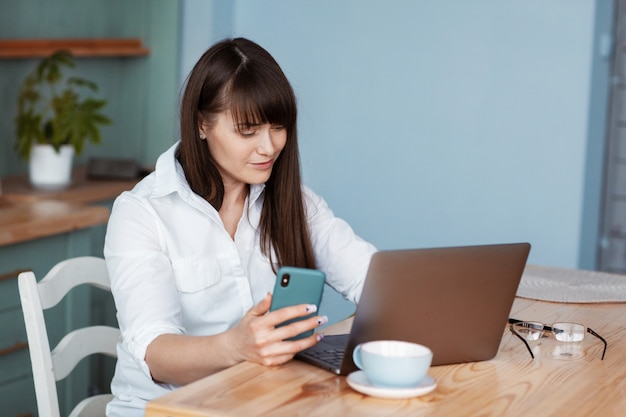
(266, 143)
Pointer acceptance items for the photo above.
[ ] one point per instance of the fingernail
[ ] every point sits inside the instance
(311, 308)
(322, 320)
(320, 337)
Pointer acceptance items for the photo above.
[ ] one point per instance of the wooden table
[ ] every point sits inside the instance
(570, 382)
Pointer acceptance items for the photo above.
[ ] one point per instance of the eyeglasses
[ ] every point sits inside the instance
(563, 332)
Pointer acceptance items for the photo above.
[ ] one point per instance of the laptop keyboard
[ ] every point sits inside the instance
(333, 356)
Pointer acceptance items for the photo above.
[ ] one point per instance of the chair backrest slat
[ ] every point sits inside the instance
(69, 274)
(82, 343)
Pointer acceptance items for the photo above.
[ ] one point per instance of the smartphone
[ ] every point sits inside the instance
(297, 286)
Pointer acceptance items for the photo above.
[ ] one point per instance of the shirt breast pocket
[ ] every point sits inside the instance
(193, 275)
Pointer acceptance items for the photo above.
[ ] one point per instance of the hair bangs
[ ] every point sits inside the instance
(254, 100)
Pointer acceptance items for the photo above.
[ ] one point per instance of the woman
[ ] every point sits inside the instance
(193, 249)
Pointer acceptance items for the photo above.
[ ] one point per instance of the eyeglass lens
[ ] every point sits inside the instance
(529, 330)
(568, 332)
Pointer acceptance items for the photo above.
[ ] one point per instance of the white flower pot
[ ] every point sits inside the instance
(48, 169)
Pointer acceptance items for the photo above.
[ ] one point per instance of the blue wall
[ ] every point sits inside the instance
(429, 123)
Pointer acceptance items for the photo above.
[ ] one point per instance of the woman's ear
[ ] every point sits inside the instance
(202, 130)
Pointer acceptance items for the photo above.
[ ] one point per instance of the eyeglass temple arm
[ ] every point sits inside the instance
(521, 338)
(592, 332)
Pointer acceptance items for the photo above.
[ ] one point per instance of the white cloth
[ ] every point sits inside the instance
(175, 269)
(562, 285)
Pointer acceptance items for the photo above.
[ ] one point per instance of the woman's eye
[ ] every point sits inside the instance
(278, 127)
(248, 131)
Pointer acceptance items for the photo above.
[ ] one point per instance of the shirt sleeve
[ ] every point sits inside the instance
(340, 252)
(141, 277)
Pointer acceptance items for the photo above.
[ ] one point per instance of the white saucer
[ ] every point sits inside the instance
(360, 383)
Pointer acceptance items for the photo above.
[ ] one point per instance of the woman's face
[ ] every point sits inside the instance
(244, 154)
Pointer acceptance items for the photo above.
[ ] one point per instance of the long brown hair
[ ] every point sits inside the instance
(240, 76)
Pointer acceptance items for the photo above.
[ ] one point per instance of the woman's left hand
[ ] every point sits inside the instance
(257, 339)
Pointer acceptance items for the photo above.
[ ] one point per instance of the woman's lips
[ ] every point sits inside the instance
(263, 165)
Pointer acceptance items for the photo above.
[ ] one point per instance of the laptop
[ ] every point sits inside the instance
(455, 300)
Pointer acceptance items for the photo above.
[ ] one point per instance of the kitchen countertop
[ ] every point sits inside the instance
(27, 213)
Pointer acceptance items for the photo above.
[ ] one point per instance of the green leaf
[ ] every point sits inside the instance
(49, 69)
(28, 131)
(81, 82)
(79, 121)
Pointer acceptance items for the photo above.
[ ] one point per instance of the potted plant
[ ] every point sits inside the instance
(54, 121)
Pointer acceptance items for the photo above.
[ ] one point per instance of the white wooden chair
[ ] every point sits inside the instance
(51, 366)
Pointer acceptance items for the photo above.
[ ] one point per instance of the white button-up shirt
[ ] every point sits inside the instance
(175, 269)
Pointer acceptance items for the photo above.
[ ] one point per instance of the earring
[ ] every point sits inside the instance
(202, 136)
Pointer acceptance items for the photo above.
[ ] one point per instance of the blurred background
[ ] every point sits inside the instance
(422, 123)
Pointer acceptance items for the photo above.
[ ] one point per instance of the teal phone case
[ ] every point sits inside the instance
(297, 286)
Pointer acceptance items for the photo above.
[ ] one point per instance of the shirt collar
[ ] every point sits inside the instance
(169, 175)
(256, 190)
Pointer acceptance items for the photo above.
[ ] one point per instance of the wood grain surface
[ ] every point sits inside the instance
(21, 221)
(27, 213)
(563, 379)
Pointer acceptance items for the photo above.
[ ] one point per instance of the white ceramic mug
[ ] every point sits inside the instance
(393, 363)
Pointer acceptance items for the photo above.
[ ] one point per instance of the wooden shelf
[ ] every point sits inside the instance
(36, 48)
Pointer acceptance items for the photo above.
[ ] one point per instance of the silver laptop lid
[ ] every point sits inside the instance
(455, 300)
